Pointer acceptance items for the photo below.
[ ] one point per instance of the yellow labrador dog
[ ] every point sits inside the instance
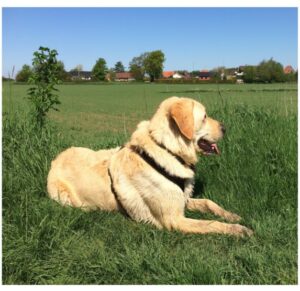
(151, 177)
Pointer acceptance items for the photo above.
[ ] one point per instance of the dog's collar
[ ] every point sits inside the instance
(178, 158)
(179, 181)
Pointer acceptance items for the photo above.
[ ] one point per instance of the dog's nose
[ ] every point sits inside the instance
(223, 128)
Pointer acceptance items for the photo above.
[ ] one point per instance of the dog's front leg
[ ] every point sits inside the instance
(188, 225)
(208, 206)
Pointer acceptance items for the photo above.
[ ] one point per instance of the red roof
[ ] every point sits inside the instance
(288, 69)
(168, 74)
(124, 75)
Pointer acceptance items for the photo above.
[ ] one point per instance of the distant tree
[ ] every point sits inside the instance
(250, 74)
(137, 66)
(77, 69)
(194, 74)
(292, 77)
(111, 74)
(270, 71)
(119, 67)
(154, 64)
(230, 71)
(24, 74)
(218, 74)
(263, 72)
(99, 70)
(61, 72)
(215, 76)
(182, 72)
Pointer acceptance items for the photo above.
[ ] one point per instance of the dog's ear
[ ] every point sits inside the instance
(182, 113)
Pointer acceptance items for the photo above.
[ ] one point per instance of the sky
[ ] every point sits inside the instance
(191, 38)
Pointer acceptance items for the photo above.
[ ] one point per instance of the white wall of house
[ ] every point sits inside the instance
(177, 76)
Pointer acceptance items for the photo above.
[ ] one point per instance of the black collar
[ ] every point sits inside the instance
(179, 181)
(178, 158)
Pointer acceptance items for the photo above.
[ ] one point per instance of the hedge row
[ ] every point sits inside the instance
(193, 81)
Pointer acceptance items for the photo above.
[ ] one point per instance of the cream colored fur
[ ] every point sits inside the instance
(79, 177)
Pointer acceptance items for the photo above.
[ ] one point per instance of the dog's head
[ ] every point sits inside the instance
(188, 119)
(194, 124)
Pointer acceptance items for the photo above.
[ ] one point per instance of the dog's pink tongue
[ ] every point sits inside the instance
(215, 148)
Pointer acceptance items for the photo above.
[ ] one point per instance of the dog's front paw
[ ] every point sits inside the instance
(240, 230)
(232, 217)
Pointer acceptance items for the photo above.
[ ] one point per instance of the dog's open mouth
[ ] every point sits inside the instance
(207, 147)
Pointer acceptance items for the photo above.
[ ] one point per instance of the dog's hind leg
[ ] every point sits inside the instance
(63, 192)
(208, 206)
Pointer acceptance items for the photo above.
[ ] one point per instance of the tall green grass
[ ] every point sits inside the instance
(255, 176)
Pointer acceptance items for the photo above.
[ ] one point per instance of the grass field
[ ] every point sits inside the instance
(256, 177)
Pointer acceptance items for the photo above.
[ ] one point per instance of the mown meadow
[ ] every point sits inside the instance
(255, 176)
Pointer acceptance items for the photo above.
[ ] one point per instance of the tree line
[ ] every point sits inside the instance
(150, 63)
(268, 71)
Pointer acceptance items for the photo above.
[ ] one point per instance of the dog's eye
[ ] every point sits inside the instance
(204, 118)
